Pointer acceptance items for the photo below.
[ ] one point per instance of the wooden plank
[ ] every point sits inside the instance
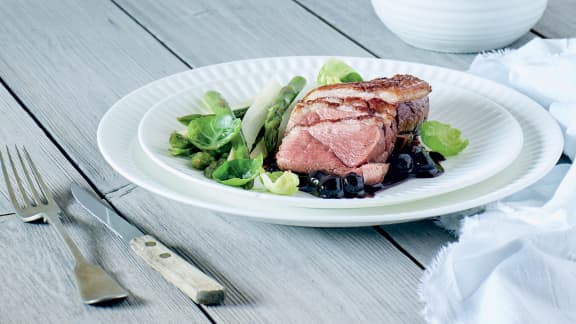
(275, 273)
(283, 274)
(208, 32)
(559, 19)
(61, 57)
(36, 280)
(272, 272)
(421, 239)
(176, 22)
(17, 129)
(357, 20)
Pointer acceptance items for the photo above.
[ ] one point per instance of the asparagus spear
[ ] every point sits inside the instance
(276, 112)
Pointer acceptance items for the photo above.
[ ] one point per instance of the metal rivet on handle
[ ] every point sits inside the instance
(150, 243)
(165, 255)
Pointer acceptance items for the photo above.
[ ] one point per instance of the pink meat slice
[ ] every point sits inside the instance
(353, 127)
(354, 142)
(318, 157)
(312, 154)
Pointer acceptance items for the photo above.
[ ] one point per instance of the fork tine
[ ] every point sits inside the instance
(39, 179)
(39, 200)
(27, 201)
(8, 183)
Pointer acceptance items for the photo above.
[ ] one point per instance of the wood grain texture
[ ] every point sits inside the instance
(208, 32)
(357, 20)
(69, 61)
(421, 239)
(559, 20)
(177, 22)
(17, 128)
(275, 273)
(37, 282)
(283, 274)
(194, 283)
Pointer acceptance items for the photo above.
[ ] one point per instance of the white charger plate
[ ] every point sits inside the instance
(119, 146)
(491, 129)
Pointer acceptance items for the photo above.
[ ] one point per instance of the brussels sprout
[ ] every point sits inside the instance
(201, 160)
(179, 140)
(213, 132)
(238, 173)
(280, 182)
(336, 71)
(442, 138)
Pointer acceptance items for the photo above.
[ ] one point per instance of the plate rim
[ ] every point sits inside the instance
(143, 131)
(357, 220)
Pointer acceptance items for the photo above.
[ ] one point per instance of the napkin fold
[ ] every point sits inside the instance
(516, 262)
(543, 69)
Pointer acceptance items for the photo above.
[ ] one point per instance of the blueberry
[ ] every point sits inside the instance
(437, 157)
(424, 165)
(318, 174)
(402, 162)
(330, 186)
(353, 185)
(306, 185)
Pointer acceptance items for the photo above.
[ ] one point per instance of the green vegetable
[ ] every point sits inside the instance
(201, 160)
(181, 151)
(179, 140)
(213, 132)
(336, 71)
(442, 138)
(185, 120)
(276, 112)
(238, 173)
(180, 145)
(253, 124)
(213, 166)
(280, 182)
(240, 112)
(213, 100)
(222, 152)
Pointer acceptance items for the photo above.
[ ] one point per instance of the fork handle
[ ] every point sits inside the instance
(54, 219)
(192, 281)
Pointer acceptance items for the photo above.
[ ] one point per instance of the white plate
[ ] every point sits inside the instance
(118, 144)
(492, 132)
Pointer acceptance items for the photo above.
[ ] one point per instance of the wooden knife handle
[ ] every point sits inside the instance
(193, 282)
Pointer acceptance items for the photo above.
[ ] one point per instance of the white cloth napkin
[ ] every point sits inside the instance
(516, 262)
(545, 70)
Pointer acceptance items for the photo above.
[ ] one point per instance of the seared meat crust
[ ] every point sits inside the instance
(353, 127)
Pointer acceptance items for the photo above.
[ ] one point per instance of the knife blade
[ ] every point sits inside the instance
(201, 288)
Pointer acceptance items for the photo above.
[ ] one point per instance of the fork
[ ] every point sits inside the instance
(94, 284)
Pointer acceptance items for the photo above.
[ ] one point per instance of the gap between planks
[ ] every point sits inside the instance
(338, 30)
(50, 136)
(379, 230)
(147, 30)
(62, 151)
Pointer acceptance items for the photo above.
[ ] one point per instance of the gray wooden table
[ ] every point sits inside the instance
(64, 63)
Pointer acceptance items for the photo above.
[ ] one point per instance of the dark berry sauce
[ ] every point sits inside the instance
(410, 162)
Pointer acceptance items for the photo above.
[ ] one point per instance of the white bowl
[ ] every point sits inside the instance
(459, 26)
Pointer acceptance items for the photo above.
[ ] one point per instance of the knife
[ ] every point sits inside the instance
(198, 286)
